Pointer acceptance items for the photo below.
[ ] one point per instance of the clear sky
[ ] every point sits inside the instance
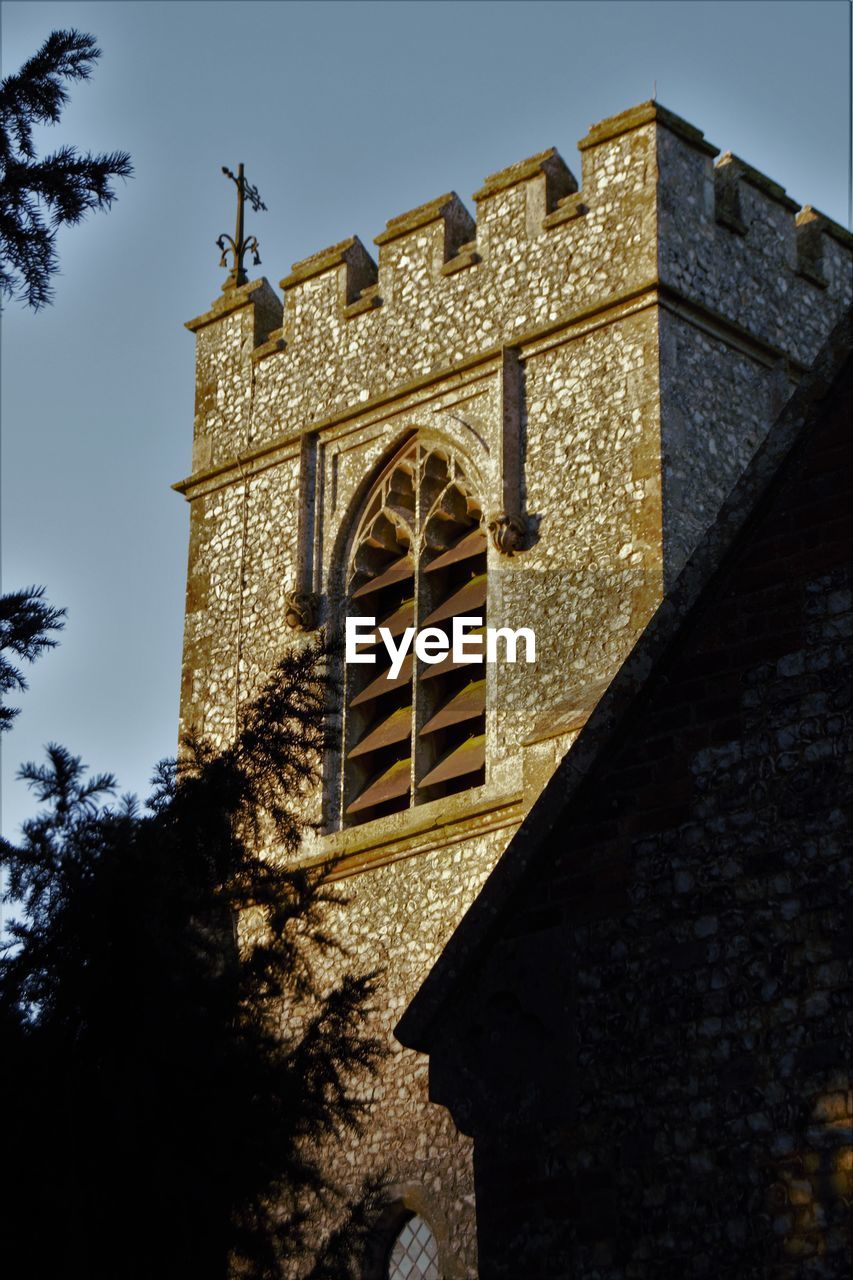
(345, 115)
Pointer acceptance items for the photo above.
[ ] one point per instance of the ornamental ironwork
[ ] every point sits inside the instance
(239, 244)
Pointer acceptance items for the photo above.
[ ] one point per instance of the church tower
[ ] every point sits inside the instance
(529, 419)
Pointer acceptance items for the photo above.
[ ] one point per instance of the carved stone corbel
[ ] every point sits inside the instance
(509, 533)
(301, 610)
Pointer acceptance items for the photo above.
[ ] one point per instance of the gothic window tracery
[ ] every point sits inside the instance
(418, 560)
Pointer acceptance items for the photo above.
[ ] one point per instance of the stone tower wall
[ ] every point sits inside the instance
(645, 1022)
(605, 360)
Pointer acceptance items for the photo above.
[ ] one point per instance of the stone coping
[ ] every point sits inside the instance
(808, 214)
(758, 180)
(275, 342)
(646, 113)
(324, 260)
(421, 216)
(521, 171)
(468, 258)
(232, 301)
(569, 208)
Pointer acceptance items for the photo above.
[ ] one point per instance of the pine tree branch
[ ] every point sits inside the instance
(36, 95)
(66, 184)
(25, 621)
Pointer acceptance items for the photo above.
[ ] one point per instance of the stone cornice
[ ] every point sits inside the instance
(725, 330)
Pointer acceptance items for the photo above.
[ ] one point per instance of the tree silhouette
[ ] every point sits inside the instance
(175, 1055)
(65, 184)
(25, 620)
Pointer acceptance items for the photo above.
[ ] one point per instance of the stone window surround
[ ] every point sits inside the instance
(402, 1202)
(422, 458)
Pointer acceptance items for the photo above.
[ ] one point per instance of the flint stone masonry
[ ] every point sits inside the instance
(604, 360)
(644, 1019)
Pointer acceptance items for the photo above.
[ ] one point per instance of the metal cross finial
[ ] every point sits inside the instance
(240, 245)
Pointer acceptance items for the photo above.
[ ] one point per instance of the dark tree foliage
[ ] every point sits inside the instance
(25, 620)
(64, 185)
(168, 1079)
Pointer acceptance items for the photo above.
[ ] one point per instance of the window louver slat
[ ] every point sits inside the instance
(384, 684)
(399, 571)
(396, 622)
(468, 758)
(390, 785)
(397, 728)
(471, 596)
(447, 664)
(467, 705)
(473, 544)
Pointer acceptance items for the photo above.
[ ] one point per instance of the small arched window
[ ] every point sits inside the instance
(414, 1253)
(418, 560)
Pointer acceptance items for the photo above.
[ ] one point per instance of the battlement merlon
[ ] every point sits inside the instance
(256, 300)
(355, 274)
(238, 323)
(652, 212)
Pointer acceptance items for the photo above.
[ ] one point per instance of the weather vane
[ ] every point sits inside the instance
(238, 246)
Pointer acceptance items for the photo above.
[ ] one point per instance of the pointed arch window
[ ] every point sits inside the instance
(418, 560)
(414, 1253)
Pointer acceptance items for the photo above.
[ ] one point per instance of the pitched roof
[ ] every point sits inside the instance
(718, 546)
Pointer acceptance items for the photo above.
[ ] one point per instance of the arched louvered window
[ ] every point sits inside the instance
(419, 559)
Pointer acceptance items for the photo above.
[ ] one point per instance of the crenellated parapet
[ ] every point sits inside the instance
(653, 213)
